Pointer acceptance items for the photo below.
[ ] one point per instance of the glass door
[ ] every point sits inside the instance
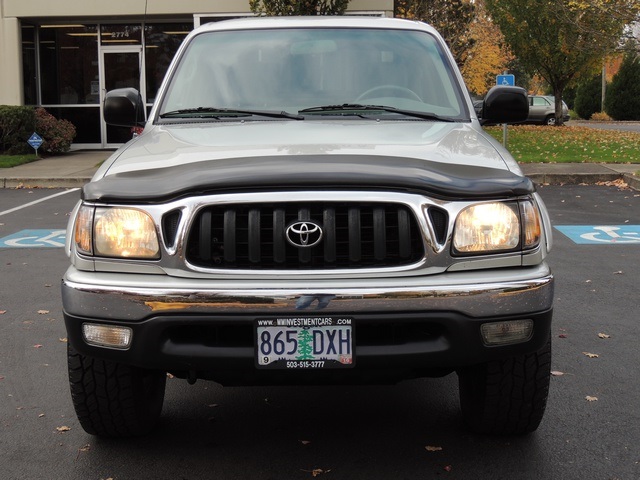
(120, 69)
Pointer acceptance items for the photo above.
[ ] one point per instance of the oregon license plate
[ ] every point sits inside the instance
(305, 343)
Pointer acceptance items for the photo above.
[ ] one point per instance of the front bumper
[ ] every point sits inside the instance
(405, 327)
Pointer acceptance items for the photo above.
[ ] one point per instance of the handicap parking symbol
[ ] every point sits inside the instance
(37, 238)
(602, 234)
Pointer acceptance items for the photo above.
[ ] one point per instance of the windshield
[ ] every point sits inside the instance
(292, 70)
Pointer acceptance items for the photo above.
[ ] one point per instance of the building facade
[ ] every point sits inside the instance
(66, 55)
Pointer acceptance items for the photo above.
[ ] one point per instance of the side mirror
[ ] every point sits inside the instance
(505, 105)
(123, 107)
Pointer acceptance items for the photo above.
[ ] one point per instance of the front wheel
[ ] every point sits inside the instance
(113, 399)
(550, 120)
(506, 397)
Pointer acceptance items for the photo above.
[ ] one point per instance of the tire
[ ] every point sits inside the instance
(114, 400)
(550, 120)
(506, 397)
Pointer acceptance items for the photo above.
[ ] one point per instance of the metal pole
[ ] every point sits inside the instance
(604, 85)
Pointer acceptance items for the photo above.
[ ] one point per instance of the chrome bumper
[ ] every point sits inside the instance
(478, 294)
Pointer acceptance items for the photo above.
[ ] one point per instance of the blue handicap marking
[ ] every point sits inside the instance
(507, 79)
(34, 239)
(602, 234)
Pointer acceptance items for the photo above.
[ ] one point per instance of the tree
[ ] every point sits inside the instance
(298, 7)
(452, 18)
(589, 97)
(623, 96)
(488, 56)
(562, 39)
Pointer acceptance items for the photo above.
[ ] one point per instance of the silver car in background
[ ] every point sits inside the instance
(542, 110)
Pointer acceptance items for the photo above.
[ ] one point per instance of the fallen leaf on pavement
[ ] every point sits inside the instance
(86, 448)
(63, 340)
(591, 399)
(619, 272)
(604, 335)
(555, 373)
(591, 355)
(43, 312)
(62, 429)
(430, 448)
(316, 471)
(37, 345)
(2, 312)
(304, 442)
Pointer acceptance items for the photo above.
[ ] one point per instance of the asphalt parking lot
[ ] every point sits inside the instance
(409, 431)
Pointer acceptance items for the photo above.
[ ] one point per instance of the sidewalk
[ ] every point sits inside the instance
(76, 168)
(73, 169)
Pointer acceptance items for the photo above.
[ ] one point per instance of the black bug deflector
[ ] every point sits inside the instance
(312, 172)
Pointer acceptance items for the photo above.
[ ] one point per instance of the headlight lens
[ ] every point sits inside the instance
(116, 232)
(125, 232)
(532, 224)
(83, 227)
(487, 227)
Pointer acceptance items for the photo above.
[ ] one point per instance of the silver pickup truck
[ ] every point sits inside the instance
(312, 201)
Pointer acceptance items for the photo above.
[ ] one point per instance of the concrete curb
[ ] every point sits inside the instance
(632, 180)
(43, 182)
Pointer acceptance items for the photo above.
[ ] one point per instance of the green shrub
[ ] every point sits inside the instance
(623, 96)
(589, 97)
(16, 126)
(57, 134)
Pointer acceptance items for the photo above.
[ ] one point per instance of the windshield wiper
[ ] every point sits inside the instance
(208, 112)
(358, 109)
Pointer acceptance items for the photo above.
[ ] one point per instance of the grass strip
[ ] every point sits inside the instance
(568, 144)
(8, 161)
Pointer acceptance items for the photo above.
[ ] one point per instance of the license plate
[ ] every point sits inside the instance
(305, 343)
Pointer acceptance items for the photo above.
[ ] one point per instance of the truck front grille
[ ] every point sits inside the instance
(353, 236)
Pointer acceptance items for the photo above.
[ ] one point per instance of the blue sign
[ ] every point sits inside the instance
(34, 239)
(603, 234)
(506, 80)
(35, 141)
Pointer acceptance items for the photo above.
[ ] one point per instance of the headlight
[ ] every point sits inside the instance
(532, 225)
(83, 230)
(116, 232)
(497, 227)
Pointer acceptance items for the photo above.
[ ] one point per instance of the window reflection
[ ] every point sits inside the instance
(69, 65)
(86, 120)
(29, 69)
(161, 42)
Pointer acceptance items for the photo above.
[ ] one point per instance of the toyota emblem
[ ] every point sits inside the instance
(304, 234)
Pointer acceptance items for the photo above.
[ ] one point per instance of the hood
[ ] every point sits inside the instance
(445, 159)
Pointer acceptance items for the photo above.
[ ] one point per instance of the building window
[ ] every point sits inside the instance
(161, 43)
(29, 65)
(69, 65)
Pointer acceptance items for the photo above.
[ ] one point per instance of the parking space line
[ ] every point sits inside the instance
(38, 201)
